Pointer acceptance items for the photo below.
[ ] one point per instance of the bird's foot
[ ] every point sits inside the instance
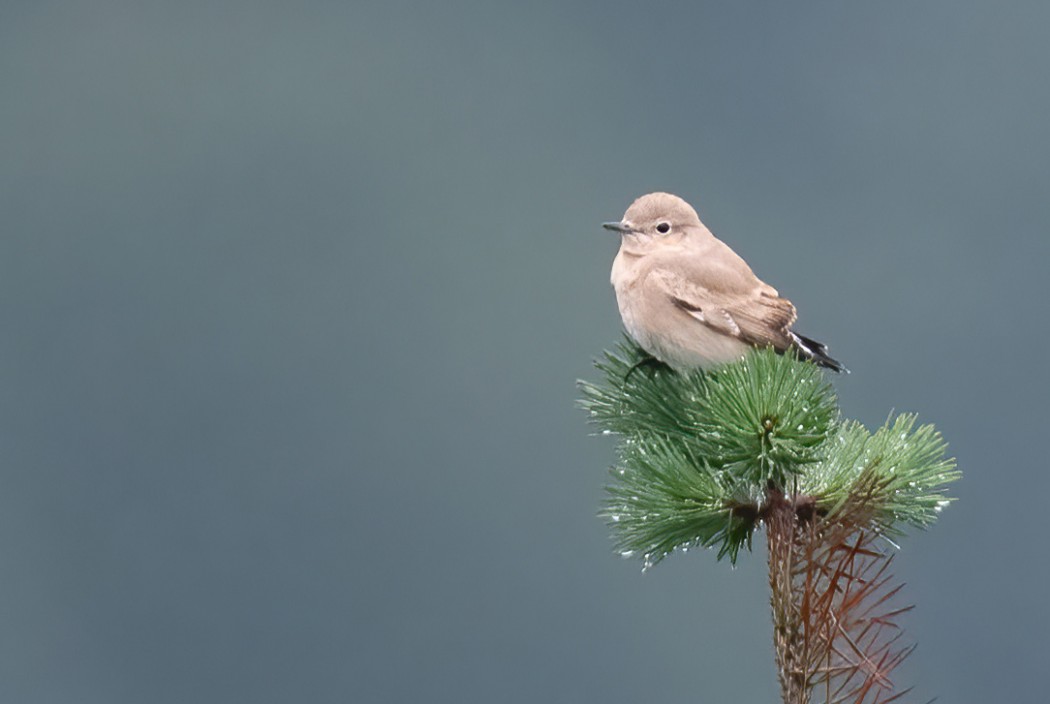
(651, 364)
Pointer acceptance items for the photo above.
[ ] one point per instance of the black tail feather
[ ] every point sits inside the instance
(817, 351)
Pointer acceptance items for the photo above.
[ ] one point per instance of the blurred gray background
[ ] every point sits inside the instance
(294, 297)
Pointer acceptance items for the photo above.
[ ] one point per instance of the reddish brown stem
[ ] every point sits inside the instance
(782, 526)
(834, 630)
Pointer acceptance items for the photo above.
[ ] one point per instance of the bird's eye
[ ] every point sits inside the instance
(663, 228)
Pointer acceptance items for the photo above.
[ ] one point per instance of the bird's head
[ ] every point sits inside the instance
(654, 221)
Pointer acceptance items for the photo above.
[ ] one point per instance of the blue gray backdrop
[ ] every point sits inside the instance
(293, 298)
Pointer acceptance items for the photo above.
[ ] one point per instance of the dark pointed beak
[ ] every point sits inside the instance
(617, 227)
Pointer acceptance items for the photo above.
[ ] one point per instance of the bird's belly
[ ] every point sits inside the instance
(673, 336)
(696, 345)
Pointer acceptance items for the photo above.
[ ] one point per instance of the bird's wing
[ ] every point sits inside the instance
(723, 294)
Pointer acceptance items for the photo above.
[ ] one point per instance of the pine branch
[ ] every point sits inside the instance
(707, 458)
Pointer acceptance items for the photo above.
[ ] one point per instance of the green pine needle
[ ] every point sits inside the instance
(700, 452)
(901, 470)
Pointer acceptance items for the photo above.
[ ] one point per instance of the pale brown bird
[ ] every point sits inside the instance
(688, 299)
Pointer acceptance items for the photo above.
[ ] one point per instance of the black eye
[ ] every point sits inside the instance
(663, 228)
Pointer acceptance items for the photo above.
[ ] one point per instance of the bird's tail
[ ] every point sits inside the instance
(816, 351)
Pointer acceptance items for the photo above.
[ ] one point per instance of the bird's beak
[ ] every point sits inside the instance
(618, 227)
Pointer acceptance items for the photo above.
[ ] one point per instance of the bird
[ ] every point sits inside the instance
(690, 301)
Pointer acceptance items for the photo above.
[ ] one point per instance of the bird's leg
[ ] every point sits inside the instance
(651, 364)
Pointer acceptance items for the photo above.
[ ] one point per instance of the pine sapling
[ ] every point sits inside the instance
(707, 458)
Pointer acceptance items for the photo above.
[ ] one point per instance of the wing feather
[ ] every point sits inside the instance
(726, 296)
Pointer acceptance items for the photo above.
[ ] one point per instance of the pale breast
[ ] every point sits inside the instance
(662, 328)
